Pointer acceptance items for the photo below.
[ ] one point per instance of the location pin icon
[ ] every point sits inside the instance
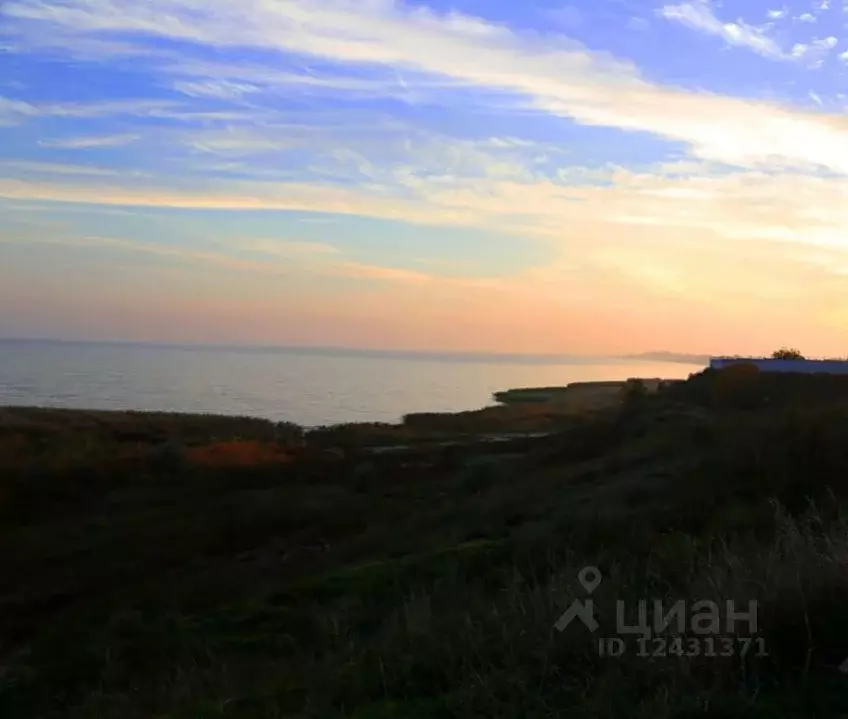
(590, 578)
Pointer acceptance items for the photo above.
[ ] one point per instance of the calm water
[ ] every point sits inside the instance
(307, 388)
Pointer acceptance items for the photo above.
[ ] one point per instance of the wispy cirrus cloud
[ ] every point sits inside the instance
(86, 142)
(285, 248)
(554, 75)
(699, 15)
(762, 39)
(814, 51)
(297, 78)
(300, 257)
(802, 210)
(53, 168)
(12, 109)
(16, 112)
(220, 89)
(391, 154)
(13, 112)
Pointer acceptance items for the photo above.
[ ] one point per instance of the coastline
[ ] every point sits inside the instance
(515, 412)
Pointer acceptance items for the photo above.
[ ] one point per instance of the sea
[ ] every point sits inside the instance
(310, 386)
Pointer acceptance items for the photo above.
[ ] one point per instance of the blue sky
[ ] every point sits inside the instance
(480, 176)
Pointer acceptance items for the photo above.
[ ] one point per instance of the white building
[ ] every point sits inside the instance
(777, 365)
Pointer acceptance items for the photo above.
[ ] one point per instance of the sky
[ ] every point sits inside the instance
(601, 176)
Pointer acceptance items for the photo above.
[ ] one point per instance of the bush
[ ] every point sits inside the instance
(738, 386)
(633, 394)
(167, 456)
(353, 435)
(696, 390)
(289, 433)
(792, 456)
(787, 353)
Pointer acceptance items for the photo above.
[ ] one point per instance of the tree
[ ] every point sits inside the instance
(787, 353)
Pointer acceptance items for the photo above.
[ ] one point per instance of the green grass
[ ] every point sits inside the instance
(419, 583)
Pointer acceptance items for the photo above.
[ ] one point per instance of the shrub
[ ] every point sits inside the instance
(289, 433)
(792, 456)
(352, 435)
(737, 386)
(167, 456)
(787, 353)
(633, 394)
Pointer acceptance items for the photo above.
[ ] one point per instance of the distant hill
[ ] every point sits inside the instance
(681, 357)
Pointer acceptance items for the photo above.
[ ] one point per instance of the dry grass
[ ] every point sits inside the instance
(558, 409)
(531, 417)
(406, 586)
(588, 398)
(50, 425)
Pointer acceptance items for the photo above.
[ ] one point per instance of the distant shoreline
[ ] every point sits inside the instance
(370, 353)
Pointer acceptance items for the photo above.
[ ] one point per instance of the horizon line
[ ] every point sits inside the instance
(468, 355)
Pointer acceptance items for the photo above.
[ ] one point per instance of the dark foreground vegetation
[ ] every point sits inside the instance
(193, 567)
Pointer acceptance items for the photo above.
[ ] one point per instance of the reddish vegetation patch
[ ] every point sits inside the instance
(237, 453)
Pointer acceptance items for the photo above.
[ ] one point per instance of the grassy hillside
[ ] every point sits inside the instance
(188, 566)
